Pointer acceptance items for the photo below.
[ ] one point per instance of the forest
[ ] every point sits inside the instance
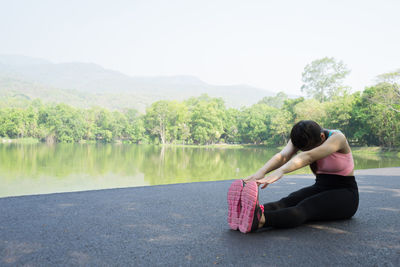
(368, 118)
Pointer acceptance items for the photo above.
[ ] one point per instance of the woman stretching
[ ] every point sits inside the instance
(333, 196)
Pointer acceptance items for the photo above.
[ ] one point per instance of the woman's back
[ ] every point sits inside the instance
(336, 163)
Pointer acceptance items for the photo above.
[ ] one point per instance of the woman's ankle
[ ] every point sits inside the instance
(262, 221)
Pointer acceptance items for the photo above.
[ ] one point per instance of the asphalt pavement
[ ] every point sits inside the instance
(186, 224)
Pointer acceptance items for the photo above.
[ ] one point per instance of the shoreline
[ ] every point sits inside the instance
(301, 174)
(357, 150)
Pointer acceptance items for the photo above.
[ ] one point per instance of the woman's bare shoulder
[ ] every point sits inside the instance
(341, 138)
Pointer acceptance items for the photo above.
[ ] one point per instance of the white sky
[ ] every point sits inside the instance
(261, 43)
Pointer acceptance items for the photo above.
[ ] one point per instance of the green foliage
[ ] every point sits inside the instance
(323, 79)
(338, 113)
(207, 119)
(280, 127)
(276, 101)
(370, 118)
(167, 121)
(254, 123)
(288, 105)
(379, 120)
(310, 109)
(231, 130)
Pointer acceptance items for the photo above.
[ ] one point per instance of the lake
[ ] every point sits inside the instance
(40, 168)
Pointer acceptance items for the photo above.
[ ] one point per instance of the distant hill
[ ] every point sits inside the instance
(87, 84)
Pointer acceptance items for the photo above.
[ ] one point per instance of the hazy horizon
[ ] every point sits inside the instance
(263, 44)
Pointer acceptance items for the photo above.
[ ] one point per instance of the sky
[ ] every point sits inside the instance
(262, 43)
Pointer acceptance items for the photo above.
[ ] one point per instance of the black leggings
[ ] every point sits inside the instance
(332, 197)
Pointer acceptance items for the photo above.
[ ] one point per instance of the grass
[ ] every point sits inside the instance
(28, 140)
(230, 146)
(376, 150)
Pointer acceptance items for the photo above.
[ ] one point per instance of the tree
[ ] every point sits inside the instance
(383, 122)
(231, 131)
(323, 78)
(254, 123)
(12, 123)
(280, 127)
(274, 101)
(338, 113)
(359, 128)
(168, 121)
(374, 123)
(390, 96)
(61, 123)
(156, 120)
(207, 117)
(390, 77)
(288, 105)
(178, 122)
(103, 125)
(135, 129)
(310, 109)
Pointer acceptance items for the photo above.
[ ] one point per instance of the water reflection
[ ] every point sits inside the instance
(39, 168)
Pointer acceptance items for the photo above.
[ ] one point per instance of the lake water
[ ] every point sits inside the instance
(39, 168)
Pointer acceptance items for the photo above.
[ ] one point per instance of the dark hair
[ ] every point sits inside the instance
(306, 134)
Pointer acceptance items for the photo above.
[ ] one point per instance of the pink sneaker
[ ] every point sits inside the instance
(234, 194)
(251, 211)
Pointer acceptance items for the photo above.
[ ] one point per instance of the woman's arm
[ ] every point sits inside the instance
(331, 145)
(275, 162)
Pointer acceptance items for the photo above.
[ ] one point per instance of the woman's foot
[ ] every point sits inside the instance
(251, 214)
(234, 194)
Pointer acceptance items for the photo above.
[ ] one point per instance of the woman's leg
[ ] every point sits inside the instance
(327, 205)
(294, 198)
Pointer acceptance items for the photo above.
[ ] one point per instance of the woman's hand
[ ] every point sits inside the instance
(271, 178)
(257, 176)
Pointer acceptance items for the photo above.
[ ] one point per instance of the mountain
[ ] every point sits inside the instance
(85, 84)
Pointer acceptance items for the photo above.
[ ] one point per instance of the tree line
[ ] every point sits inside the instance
(370, 117)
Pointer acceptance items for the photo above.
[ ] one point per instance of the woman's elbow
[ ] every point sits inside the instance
(307, 158)
(281, 157)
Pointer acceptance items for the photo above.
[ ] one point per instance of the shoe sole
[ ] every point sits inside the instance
(234, 193)
(248, 200)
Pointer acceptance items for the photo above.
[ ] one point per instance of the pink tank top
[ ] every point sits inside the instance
(336, 163)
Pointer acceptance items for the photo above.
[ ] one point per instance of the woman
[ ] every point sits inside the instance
(333, 196)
